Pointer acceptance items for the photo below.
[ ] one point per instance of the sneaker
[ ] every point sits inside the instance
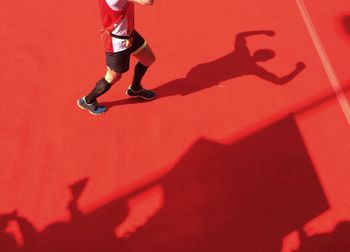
(143, 93)
(94, 108)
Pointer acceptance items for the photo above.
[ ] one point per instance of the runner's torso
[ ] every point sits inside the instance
(118, 19)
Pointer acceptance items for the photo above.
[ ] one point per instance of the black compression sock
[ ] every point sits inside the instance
(102, 86)
(139, 72)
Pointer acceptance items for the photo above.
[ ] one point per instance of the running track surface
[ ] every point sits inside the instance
(221, 133)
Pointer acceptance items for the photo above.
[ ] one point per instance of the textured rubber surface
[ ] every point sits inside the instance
(208, 91)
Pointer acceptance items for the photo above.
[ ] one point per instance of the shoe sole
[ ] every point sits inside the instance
(88, 110)
(140, 96)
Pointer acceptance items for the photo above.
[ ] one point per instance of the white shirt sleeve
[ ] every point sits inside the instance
(116, 5)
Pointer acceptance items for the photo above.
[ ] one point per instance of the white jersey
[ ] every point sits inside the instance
(118, 19)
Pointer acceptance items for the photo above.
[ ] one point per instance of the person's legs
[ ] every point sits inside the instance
(117, 64)
(103, 85)
(143, 52)
(146, 58)
(89, 102)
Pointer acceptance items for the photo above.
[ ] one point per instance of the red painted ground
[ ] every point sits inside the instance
(274, 157)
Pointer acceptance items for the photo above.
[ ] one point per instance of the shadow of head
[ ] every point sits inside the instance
(346, 23)
(263, 55)
(5, 219)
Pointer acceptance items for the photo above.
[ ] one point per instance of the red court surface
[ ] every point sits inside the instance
(232, 156)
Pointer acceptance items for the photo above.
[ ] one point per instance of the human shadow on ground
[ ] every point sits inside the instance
(90, 232)
(238, 63)
(244, 196)
(335, 241)
(8, 241)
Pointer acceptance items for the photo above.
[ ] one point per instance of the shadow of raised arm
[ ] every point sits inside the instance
(241, 43)
(266, 75)
(28, 231)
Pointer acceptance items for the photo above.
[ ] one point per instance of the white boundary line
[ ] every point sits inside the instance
(344, 104)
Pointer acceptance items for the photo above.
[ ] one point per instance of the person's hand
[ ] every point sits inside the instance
(270, 33)
(300, 65)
